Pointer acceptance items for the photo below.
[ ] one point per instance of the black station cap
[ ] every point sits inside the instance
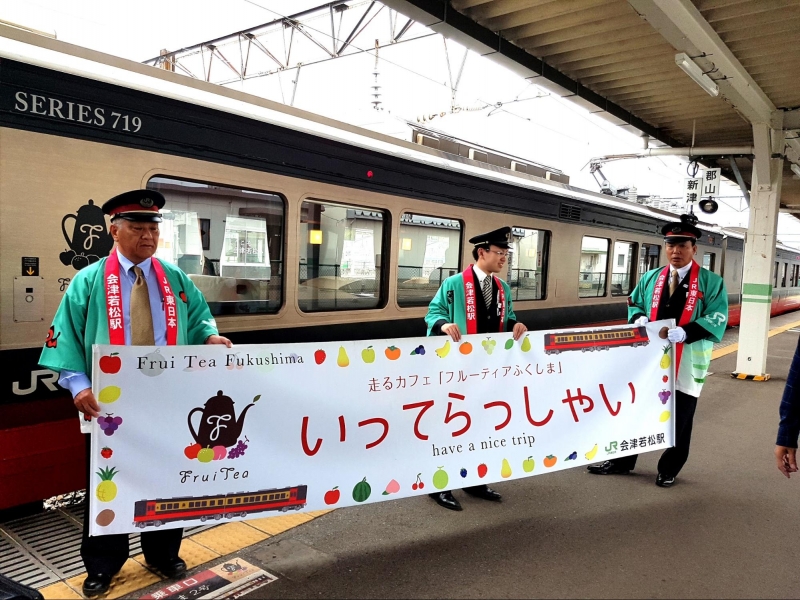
(136, 205)
(498, 237)
(682, 231)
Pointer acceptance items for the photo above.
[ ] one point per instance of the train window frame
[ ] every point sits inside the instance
(403, 302)
(632, 268)
(381, 279)
(604, 272)
(645, 247)
(775, 275)
(783, 274)
(543, 254)
(712, 261)
(237, 308)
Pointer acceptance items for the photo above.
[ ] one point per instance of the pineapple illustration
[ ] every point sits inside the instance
(665, 360)
(106, 489)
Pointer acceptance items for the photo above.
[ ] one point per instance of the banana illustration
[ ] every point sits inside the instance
(591, 453)
(444, 350)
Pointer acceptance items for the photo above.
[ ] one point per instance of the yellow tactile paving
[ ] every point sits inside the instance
(60, 591)
(734, 347)
(132, 577)
(229, 537)
(276, 525)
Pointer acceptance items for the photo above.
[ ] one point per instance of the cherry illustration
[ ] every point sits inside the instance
(418, 484)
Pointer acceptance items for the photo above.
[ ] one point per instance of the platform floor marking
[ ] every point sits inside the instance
(197, 549)
(734, 347)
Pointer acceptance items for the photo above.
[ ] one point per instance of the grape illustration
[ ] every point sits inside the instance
(109, 424)
(237, 450)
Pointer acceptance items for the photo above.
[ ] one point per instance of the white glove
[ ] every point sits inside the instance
(641, 321)
(676, 335)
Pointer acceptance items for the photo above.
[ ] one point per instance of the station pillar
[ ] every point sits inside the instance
(759, 254)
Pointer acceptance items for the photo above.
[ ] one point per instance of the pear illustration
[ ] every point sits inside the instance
(342, 359)
(505, 471)
(526, 344)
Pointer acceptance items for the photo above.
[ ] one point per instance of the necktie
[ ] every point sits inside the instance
(673, 282)
(487, 291)
(141, 317)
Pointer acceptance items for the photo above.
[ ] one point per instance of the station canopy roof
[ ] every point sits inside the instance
(617, 58)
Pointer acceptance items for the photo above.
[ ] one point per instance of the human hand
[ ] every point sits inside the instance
(452, 330)
(786, 460)
(86, 403)
(676, 335)
(218, 339)
(641, 321)
(519, 330)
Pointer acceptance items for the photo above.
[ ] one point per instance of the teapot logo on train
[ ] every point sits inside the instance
(90, 240)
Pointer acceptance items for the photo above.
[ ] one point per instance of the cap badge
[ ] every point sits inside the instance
(146, 203)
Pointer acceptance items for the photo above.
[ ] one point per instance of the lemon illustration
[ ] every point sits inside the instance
(109, 394)
(664, 416)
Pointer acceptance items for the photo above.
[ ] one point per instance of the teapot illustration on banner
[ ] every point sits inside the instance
(90, 239)
(218, 423)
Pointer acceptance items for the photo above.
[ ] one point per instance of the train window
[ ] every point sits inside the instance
(228, 240)
(622, 273)
(593, 267)
(648, 258)
(783, 274)
(527, 267)
(795, 272)
(429, 252)
(709, 261)
(775, 275)
(340, 257)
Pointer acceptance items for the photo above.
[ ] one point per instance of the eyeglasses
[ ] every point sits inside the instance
(499, 253)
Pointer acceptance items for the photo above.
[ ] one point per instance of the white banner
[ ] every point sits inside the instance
(198, 433)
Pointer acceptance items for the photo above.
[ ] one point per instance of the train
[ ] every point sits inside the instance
(296, 228)
(589, 341)
(157, 512)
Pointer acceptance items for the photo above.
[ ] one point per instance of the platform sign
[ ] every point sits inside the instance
(711, 183)
(692, 186)
(192, 434)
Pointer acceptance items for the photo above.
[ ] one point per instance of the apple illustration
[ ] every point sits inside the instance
(482, 470)
(368, 354)
(528, 464)
(106, 452)
(205, 455)
(66, 257)
(192, 450)
(319, 357)
(332, 496)
(111, 364)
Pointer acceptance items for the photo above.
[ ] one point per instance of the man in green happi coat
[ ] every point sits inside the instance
(127, 298)
(475, 301)
(696, 298)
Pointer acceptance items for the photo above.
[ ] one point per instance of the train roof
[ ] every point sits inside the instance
(29, 48)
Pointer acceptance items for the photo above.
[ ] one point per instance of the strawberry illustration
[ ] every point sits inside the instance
(106, 452)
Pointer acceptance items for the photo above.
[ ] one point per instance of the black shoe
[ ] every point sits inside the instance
(172, 568)
(96, 584)
(485, 492)
(608, 467)
(446, 500)
(664, 480)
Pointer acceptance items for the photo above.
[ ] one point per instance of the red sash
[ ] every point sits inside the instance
(688, 309)
(116, 327)
(469, 295)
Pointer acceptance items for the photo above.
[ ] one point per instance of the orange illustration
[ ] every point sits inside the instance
(392, 353)
(549, 460)
(465, 348)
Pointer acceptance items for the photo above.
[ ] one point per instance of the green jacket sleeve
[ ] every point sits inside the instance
(438, 309)
(511, 317)
(200, 323)
(639, 300)
(65, 349)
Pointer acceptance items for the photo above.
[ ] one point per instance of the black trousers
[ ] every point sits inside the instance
(106, 554)
(674, 458)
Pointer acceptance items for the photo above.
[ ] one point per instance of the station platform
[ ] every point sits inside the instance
(727, 528)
